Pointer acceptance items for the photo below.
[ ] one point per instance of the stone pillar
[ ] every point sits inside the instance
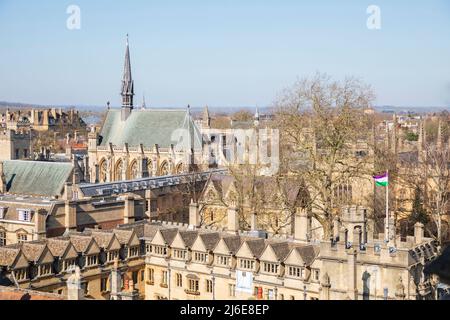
(87, 174)
(370, 230)
(233, 219)
(128, 213)
(352, 290)
(325, 285)
(301, 225)
(75, 289)
(194, 215)
(418, 233)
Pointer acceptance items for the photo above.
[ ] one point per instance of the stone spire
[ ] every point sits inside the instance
(256, 118)
(144, 106)
(206, 119)
(127, 85)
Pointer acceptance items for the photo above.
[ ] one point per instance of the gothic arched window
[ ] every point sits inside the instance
(119, 171)
(103, 171)
(134, 171)
(164, 171)
(150, 167)
(179, 169)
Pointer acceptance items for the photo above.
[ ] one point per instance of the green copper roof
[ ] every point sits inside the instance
(36, 178)
(147, 127)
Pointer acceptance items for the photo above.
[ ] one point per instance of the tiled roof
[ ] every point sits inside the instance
(103, 238)
(36, 178)
(8, 255)
(80, 242)
(147, 127)
(58, 246)
(124, 236)
(8, 293)
(33, 250)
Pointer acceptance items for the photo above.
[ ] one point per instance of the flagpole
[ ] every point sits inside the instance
(387, 238)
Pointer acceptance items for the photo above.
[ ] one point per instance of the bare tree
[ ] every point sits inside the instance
(321, 121)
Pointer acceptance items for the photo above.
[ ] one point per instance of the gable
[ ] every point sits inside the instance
(20, 262)
(268, 255)
(93, 248)
(70, 253)
(244, 252)
(221, 248)
(46, 257)
(134, 240)
(199, 245)
(294, 259)
(158, 239)
(114, 244)
(178, 242)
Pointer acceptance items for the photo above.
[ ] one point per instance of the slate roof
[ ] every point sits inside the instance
(308, 253)
(33, 250)
(210, 239)
(36, 178)
(188, 237)
(169, 235)
(256, 246)
(103, 238)
(281, 249)
(233, 243)
(147, 127)
(123, 236)
(80, 242)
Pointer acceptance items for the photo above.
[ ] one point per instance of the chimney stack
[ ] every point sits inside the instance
(233, 219)
(301, 225)
(194, 215)
(418, 233)
(128, 213)
(3, 179)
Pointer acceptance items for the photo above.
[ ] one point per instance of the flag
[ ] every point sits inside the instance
(382, 180)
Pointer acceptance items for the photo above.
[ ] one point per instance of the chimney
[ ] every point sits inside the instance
(87, 175)
(194, 215)
(75, 289)
(351, 276)
(128, 214)
(233, 219)
(253, 223)
(418, 233)
(301, 225)
(40, 223)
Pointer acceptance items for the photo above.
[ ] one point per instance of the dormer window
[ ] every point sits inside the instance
(45, 270)
(296, 272)
(160, 250)
(271, 267)
(246, 264)
(223, 261)
(113, 255)
(68, 264)
(24, 215)
(179, 254)
(91, 260)
(134, 252)
(201, 257)
(21, 274)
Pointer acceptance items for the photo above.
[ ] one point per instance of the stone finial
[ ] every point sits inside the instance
(326, 279)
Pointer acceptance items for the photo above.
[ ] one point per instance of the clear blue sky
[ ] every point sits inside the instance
(221, 53)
